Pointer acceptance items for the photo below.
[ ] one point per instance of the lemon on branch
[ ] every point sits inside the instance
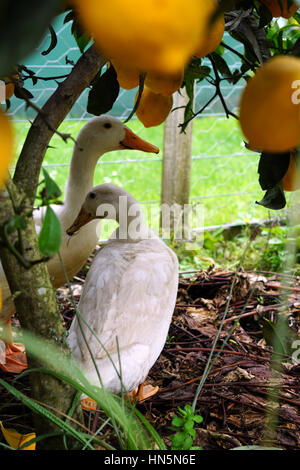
(153, 35)
(165, 84)
(269, 107)
(153, 108)
(213, 34)
(6, 147)
(128, 78)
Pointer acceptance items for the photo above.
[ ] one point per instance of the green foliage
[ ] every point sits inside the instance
(104, 92)
(183, 424)
(81, 38)
(16, 223)
(50, 234)
(283, 39)
(131, 428)
(51, 191)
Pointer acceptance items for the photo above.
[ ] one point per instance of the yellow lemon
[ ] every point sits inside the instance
(128, 78)
(10, 85)
(165, 84)
(6, 147)
(153, 35)
(269, 106)
(153, 108)
(17, 440)
(214, 33)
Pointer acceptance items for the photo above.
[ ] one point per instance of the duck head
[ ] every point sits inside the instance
(105, 201)
(109, 133)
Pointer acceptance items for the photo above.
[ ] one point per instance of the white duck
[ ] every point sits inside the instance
(128, 297)
(100, 135)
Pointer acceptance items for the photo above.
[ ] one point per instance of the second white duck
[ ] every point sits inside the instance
(128, 297)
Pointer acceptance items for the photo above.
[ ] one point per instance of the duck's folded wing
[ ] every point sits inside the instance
(128, 299)
(97, 303)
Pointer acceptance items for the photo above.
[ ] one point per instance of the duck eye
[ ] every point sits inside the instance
(92, 195)
(107, 125)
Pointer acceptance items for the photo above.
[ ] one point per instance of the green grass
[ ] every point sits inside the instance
(217, 176)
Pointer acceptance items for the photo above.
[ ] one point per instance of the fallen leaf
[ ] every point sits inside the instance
(17, 440)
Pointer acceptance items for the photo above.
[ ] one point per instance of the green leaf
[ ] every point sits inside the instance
(196, 71)
(189, 424)
(82, 41)
(178, 440)
(104, 92)
(17, 222)
(271, 168)
(52, 189)
(274, 198)
(79, 35)
(189, 109)
(198, 419)
(178, 422)
(22, 93)
(297, 17)
(221, 65)
(187, 443)
(50, 234)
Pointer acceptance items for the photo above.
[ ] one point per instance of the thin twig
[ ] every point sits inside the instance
(32, 105)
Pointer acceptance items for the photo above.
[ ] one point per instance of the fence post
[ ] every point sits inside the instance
(177, 156)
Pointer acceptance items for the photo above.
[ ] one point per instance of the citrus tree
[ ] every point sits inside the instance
(157, 47)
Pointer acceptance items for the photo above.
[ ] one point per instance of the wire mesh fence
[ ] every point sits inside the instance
(224, 173)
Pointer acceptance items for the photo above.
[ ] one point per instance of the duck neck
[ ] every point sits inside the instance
(81, 177)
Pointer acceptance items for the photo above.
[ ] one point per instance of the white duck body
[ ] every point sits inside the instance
(127, 300)
(100, 135)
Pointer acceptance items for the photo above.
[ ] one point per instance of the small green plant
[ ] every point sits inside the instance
(184, 424)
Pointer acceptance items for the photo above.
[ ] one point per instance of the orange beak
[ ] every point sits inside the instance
(82, 219)
(133, 142)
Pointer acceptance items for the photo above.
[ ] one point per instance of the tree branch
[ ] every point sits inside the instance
(53, 113)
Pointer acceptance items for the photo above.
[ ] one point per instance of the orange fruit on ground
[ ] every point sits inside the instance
(153, 108)
(291, 180)
(153, 35)
(275, 8)
(214, 33)
(128, 78)
(269, 109)
(164, 84)
(6, 147)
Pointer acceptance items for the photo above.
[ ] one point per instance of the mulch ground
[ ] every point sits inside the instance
(241, 388)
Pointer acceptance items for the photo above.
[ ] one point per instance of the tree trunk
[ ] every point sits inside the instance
(35, 298)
